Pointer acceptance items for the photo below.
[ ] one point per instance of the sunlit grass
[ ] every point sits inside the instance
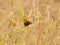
(20, 40)
(22, 11)
(1, 40)
(58, 12)
(1, 43)
(25, 20)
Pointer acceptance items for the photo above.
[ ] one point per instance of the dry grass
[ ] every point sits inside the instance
(45, 18)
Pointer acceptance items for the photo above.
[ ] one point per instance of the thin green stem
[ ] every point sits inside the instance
(22, 11)
(26, 22)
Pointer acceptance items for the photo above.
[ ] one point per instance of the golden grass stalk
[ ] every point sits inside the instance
(26, 22)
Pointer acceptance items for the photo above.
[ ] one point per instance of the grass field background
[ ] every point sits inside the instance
(44, 16)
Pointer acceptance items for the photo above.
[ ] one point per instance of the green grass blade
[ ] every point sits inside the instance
(22, 11)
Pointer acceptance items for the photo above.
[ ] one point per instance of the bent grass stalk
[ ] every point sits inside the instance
(18, 41)
(22, 11)
(26, 22)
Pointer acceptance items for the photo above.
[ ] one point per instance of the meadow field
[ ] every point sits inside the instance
(29, 22)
